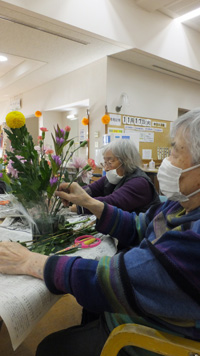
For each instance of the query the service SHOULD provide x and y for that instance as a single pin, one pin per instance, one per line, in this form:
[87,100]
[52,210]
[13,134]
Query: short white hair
[189,124]
[126,152]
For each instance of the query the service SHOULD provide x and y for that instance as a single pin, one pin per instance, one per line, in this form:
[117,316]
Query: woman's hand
[73,208]
[17,259]
[75,194]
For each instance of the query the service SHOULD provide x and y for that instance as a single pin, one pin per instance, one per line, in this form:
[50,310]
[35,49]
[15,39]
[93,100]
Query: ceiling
[40,49]
[173,9]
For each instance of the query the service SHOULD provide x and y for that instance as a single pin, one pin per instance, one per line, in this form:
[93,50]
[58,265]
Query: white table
[24,300]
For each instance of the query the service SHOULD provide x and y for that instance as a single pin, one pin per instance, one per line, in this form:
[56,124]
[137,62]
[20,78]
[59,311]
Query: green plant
[33,174]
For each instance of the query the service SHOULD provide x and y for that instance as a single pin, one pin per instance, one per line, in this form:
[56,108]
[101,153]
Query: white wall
[76,126]
[32,127]
[50,120]
[151,94]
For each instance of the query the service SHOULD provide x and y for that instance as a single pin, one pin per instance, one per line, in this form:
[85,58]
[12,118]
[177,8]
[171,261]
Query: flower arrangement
[33,173]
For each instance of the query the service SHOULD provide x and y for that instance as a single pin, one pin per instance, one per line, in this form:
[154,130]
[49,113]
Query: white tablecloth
[24,300]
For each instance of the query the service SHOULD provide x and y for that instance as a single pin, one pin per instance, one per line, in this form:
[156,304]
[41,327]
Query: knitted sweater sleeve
[127,283]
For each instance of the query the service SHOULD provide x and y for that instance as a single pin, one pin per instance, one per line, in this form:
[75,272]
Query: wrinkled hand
[17,259]
[73,208]
[74,194]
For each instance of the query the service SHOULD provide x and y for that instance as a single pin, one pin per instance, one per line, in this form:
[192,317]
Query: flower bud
[67,128]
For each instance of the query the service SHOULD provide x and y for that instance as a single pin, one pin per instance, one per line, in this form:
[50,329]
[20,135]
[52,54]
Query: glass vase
[42,223]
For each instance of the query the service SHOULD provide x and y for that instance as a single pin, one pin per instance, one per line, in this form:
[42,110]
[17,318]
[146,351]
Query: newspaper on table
[24,300]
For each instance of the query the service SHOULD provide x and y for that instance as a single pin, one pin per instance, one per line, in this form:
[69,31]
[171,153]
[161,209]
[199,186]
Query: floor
[66,312]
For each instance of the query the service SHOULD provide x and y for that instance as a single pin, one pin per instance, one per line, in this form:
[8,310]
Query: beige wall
[151,94]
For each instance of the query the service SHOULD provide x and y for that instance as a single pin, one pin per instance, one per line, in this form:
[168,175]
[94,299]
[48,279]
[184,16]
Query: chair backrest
[149,339]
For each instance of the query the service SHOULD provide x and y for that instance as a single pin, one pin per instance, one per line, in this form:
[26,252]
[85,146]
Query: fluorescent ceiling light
[3,59]
[71,117]
[188,15]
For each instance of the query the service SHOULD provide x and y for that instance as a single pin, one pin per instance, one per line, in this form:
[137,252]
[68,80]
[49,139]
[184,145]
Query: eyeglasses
[109,162]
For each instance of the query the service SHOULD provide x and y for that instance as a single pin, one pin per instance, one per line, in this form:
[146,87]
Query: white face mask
[113,177]
[168,177]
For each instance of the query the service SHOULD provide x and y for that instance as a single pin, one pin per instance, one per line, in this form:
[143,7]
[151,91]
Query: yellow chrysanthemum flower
[15,119]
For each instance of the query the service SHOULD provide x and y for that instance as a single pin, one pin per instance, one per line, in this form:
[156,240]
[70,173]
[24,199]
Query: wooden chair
[150,339]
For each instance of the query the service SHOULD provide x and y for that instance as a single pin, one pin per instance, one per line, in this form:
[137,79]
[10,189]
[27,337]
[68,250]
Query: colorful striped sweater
[155,281]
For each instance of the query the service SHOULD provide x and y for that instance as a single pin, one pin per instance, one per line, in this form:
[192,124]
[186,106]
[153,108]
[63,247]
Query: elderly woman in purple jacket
[125,185]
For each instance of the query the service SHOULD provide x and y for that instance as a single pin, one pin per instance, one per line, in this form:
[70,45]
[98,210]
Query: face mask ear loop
[191,194]
[119,166]
[190,169]
[187,170]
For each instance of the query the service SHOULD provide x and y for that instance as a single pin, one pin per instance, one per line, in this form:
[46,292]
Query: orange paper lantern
[38,113]
[105,119]
[85,121]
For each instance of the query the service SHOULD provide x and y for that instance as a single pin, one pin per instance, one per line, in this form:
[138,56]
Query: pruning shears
[84,241]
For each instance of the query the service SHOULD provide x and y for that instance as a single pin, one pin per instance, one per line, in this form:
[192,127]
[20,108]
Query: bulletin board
[153,134]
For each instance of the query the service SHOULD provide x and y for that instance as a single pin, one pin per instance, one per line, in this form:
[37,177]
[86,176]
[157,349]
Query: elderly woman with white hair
[125,185]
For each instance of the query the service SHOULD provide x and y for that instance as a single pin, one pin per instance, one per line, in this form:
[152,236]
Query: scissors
[84,241]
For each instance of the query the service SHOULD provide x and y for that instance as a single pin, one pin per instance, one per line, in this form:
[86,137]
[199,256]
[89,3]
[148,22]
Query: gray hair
[189,123]
[127,153]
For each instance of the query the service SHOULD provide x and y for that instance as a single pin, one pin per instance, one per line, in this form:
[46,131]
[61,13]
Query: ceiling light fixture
[71,117]
[3,58]
[188,15]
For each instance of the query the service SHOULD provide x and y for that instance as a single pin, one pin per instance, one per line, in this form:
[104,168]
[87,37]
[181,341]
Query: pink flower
[37,148]
[40,138]
[43,129]
[42,150]
[78,162]
[21,159]
[91,163]
[49,151]
[86,176]
[11,170]
[67,128]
